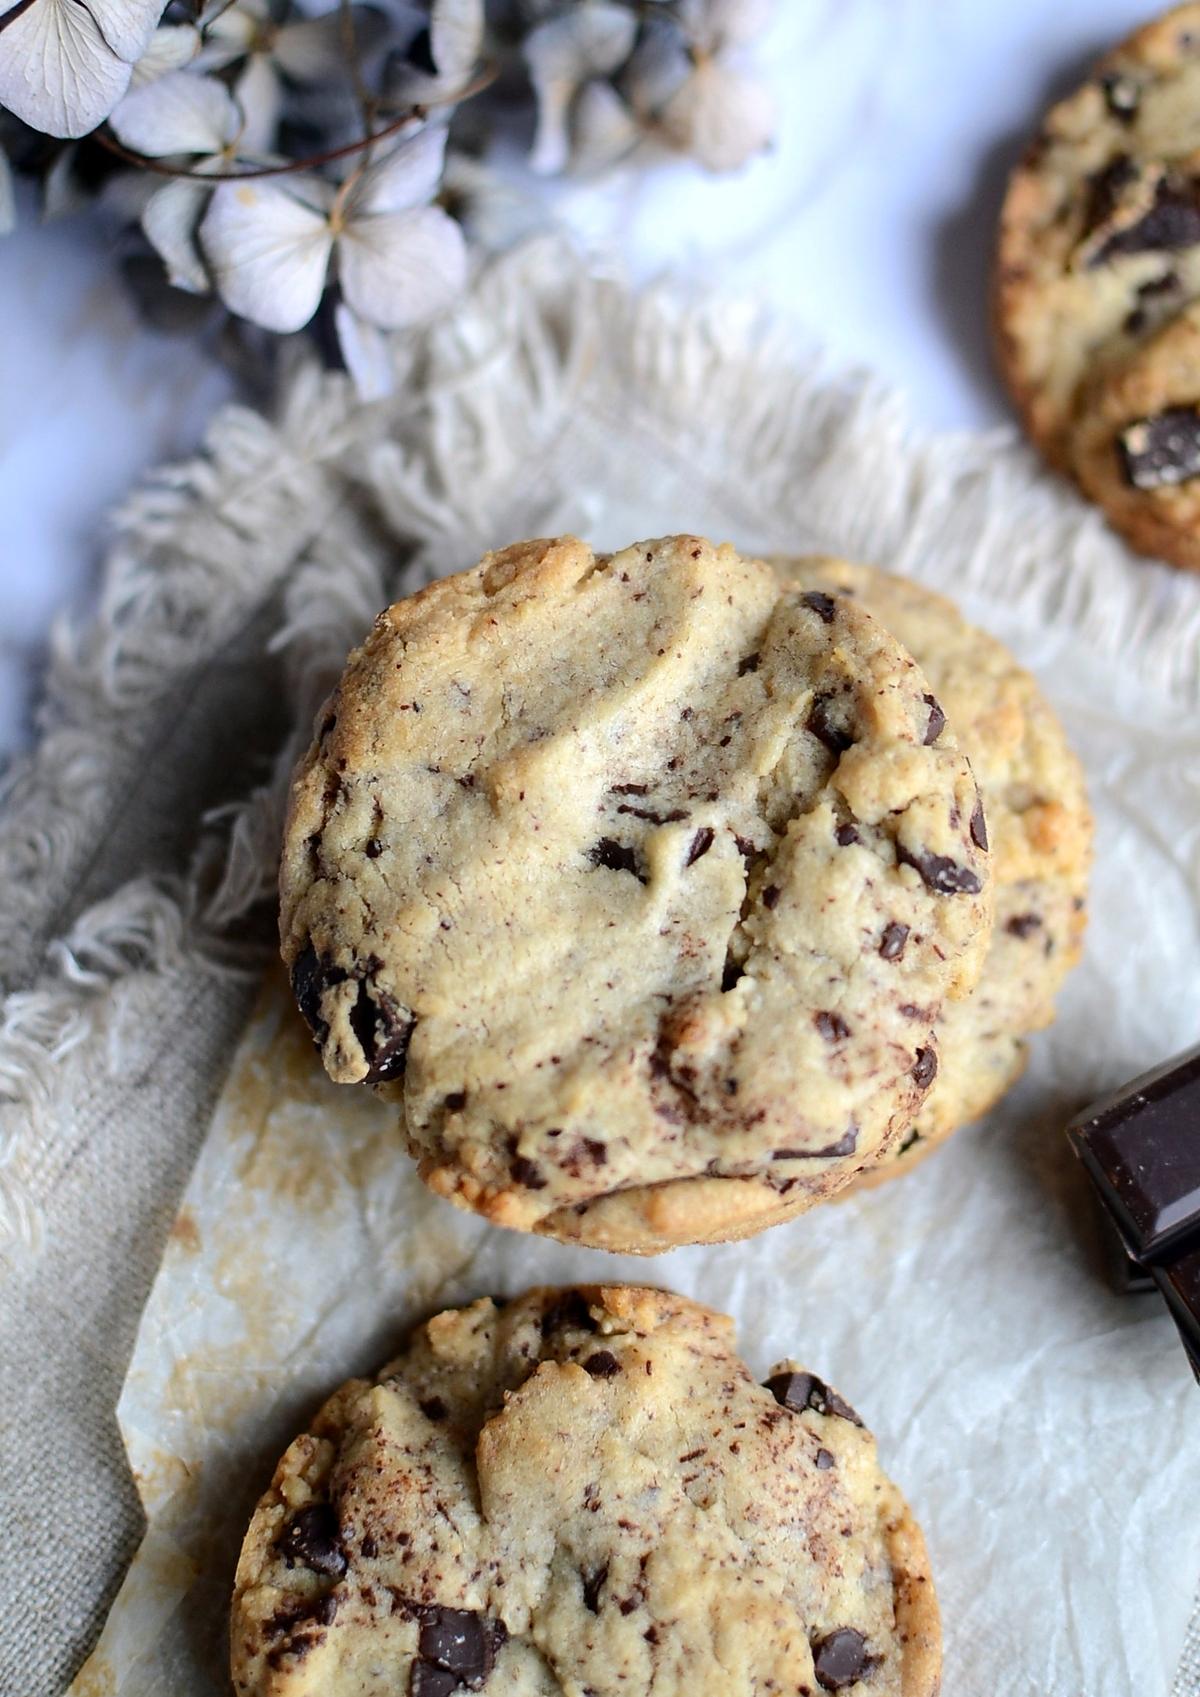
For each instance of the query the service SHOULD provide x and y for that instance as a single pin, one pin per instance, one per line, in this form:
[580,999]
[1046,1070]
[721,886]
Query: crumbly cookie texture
[1097,287]
[1041,836]
[583,1491]
[634,879]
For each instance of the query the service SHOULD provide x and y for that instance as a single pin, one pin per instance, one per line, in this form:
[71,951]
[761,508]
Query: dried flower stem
[313,160]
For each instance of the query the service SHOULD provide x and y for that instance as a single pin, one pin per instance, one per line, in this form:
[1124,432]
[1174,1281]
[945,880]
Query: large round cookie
[636,881]
[1097,291]
[583,1491]
[1041,838]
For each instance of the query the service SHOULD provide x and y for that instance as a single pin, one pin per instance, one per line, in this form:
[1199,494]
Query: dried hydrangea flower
[64,64]
[399,260]
[182,115]
[686,81]
[588,43]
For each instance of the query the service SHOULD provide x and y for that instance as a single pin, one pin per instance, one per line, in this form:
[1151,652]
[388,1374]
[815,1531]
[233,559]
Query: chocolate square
[1141,1147]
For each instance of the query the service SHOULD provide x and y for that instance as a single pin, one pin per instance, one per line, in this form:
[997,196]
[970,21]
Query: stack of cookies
[666,894]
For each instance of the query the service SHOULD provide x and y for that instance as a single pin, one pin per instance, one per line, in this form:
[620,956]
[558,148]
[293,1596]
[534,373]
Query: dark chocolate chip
[845,835]
[832,1026]
[629,789]
[593,1584]
[941,874]
[771,895]
[925,1067]
[314,1539]
[937,719]
[457,1642]
[1162,450]
[1105,188]
[370,1548]
[840,1658]
[528,1173]
[311,977]
[978,827]
[616,857]
[891,944]
[654,818]
[823,725]
[824,606]
[373,849]
[569,1309]
[432,1407]
[825,1460]
[1121,96]
[1172,222]
[846,1144]
[384,1030]
[699,845]
[745,847]
[1023,924]
[602,1365]
[749,664]
[799,1391]
[455,1101]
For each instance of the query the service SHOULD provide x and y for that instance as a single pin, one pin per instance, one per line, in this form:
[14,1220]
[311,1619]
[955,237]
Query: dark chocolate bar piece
[1179,1281]
[1141,1147]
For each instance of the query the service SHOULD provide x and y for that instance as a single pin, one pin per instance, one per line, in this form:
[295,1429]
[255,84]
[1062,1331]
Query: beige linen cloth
[136,847]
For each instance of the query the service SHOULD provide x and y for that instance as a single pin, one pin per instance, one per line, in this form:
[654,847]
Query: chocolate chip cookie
[638,882]
[1041,837]
[583,1491]
[1097,290]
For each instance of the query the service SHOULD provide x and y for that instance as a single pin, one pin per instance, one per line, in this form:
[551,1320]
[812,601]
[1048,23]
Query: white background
[870,224]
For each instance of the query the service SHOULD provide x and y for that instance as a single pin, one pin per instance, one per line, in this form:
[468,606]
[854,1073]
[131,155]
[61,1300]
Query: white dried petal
[455,38]
[170,219]
[603,128]
[172,48]
[407,176]
[313,50]
[400,268]
[64,64]
[592,40]
[719,116]
[182,112]
[259,97]
[367,353]
[268,246]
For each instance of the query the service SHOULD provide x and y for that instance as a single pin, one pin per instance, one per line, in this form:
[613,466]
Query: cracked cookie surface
[583,1490]
[1040,827]
[635,881]
[1097,286]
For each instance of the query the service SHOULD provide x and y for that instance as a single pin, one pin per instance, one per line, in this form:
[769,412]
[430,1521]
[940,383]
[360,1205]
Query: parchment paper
[1046,1431]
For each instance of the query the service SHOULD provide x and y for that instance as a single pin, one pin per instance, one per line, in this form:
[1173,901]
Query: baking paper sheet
[1046,1431]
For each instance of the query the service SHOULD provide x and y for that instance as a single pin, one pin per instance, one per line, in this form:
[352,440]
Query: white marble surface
[870,223]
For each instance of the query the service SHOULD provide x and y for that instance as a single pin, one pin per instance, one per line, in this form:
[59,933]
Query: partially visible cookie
[638,883]
[1041,837]
[582,1491]
[1097,288]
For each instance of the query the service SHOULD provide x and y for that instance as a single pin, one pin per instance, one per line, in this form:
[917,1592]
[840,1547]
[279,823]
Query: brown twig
[311,162]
